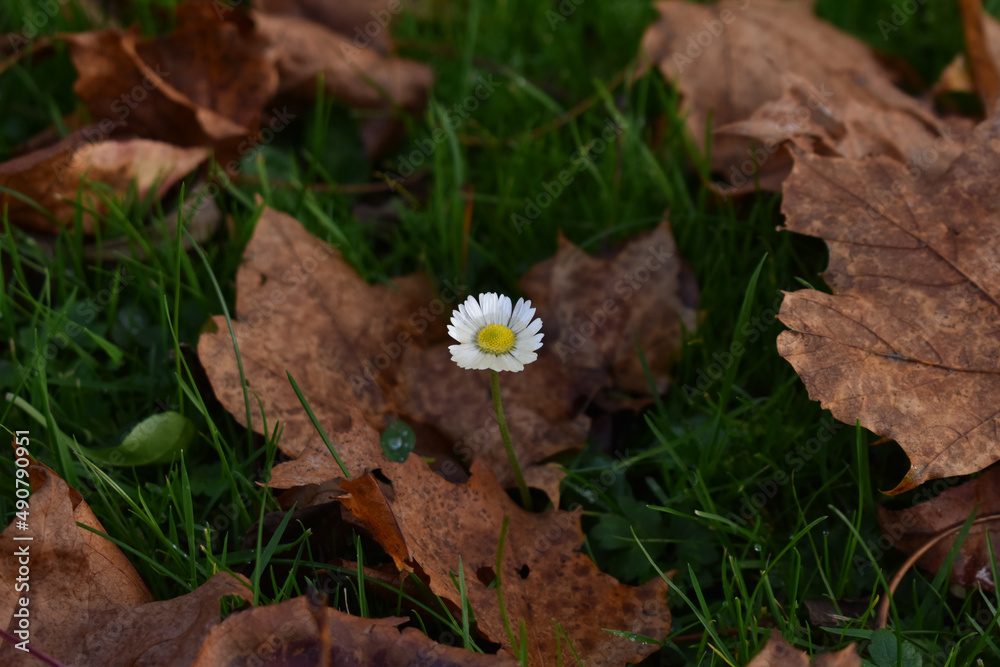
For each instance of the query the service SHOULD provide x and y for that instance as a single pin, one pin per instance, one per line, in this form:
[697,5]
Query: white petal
[499,362]
[496,315]
[524,356]
[456,333]
[487,306]
[503,311]
[463,332]
[532,328]
[517,314]
[470,324]
[521,316]
[514,364]
[460,355]
[474,313]
[537,338]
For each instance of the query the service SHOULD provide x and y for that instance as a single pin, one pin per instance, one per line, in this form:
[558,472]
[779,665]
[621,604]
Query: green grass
[675,490]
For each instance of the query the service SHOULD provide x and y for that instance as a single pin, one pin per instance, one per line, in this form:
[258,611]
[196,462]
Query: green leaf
[157,439]
[883,651]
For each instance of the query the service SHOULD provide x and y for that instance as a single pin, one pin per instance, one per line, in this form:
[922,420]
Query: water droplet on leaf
[398,441]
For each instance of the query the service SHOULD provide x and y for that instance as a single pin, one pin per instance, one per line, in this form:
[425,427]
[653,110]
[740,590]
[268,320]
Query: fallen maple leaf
[727,59]
[86,603]
[437,528]
[911,528]
[364,344]
[291,281]
[296,633]
[779,653]
[76,173]
[909,341]
[386,349]
[202,85]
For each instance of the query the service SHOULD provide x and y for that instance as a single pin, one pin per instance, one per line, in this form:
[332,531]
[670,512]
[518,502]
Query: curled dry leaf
[911,528]
[437,528]
[362,77]
[296,633]
[596,309]
[829,125]
[365,22]
[779,653]
[87,604]
[754,44]
[76,173]
[202,85]
[347,44]
[909,341]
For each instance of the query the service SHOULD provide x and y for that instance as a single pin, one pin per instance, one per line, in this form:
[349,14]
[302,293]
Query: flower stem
[505,435]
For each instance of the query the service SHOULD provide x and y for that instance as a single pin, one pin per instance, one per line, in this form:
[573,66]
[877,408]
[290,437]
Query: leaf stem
[505,435]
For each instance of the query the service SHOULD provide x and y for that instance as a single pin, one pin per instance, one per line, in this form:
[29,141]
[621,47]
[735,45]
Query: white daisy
[493,335]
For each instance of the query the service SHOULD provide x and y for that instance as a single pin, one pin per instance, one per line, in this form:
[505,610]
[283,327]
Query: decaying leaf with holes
[438,529]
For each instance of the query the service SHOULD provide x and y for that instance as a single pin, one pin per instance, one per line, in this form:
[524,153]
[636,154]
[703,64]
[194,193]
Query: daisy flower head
[493,335]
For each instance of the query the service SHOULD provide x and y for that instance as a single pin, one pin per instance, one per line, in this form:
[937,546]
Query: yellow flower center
[495,339]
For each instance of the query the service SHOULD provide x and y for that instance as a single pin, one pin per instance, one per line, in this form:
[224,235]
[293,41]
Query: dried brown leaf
[301,307]
[828,613]
[595,309]
[909,341]
[365,22]
[752,45]
[59,178]
[545,579]
[541,405]
[830,125]
[202,85]
[368,499]
[362,77]
[86,602]
[779,653]
[911,528]
[295,633]
[386,350]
